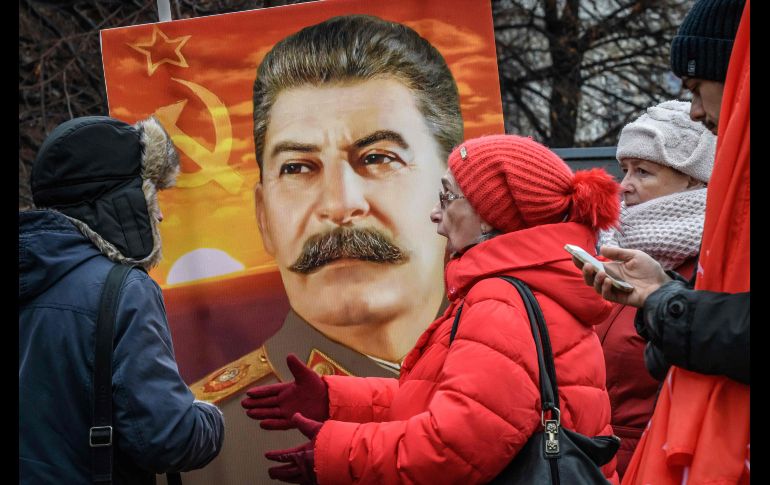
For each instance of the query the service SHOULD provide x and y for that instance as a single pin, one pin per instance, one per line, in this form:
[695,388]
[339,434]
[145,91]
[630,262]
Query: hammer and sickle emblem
[213,163]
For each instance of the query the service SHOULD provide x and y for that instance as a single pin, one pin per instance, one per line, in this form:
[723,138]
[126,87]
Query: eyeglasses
[445,197]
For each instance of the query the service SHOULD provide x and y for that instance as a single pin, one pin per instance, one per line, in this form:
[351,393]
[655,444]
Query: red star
[168,51]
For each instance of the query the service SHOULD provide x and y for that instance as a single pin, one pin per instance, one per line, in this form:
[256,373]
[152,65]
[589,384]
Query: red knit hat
[513,183]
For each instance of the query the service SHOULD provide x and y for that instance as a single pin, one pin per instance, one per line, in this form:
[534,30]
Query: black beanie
[701,49]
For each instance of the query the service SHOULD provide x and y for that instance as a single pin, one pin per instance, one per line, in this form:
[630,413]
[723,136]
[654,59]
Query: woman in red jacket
[459,415]
[667,160]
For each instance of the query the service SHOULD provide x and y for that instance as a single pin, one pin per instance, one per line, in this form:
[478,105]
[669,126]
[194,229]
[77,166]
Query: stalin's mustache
[366,244]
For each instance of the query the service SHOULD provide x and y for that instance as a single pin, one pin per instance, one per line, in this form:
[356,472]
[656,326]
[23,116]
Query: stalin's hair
[360,48]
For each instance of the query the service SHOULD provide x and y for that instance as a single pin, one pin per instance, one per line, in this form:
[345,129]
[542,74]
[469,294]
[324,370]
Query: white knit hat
[665,134]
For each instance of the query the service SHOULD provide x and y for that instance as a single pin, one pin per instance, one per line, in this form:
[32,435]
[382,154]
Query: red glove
[275,404]
[300,461]
[308,427]
[299,468]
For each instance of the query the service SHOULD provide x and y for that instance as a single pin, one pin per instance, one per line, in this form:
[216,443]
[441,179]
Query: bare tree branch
[594,49]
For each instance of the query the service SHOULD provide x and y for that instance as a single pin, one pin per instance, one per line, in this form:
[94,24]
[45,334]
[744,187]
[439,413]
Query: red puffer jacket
[459,415]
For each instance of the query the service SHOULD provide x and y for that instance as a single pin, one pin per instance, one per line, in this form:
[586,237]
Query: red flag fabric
[699,432]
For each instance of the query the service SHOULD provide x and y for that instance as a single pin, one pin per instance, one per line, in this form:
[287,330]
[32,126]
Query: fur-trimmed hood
[103,175]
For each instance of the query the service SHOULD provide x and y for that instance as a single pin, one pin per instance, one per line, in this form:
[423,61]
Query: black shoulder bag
[101,433]
[556,454]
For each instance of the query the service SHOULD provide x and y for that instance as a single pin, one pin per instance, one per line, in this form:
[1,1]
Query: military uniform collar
[322,354]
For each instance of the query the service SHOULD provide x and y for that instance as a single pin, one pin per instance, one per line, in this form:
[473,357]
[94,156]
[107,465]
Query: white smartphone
[582,255]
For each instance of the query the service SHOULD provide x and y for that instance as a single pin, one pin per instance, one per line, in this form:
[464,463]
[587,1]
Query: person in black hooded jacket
[95,182]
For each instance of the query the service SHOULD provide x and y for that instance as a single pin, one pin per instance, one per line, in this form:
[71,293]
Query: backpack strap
[100,434]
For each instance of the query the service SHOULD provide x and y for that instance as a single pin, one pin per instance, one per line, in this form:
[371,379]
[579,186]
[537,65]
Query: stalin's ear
[264,227]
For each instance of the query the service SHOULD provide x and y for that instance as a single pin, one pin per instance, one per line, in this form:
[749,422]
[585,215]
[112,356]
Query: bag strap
[549,391]
[100,434]
[173,478]
[455,324]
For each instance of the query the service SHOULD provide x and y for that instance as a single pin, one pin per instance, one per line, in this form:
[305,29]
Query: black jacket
[701,331]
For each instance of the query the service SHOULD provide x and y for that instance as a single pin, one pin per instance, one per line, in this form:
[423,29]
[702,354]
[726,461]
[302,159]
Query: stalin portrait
[353,121]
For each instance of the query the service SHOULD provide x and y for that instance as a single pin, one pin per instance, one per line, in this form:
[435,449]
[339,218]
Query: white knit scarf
[668,228]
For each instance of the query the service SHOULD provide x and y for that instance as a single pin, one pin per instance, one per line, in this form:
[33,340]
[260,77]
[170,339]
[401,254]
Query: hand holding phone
[583,256]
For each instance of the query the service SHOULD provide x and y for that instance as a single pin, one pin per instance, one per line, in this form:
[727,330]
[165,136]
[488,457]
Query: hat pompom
[595,199]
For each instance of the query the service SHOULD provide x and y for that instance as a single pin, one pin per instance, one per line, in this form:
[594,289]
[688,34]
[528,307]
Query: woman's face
[645,180]
[455,218]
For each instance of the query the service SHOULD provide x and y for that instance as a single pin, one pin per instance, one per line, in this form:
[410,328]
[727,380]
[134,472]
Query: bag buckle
[551,437]
[551,429]
[100,436]
[555,411]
